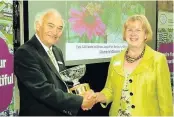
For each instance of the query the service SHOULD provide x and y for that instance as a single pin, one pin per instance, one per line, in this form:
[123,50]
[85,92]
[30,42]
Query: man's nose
[55,31]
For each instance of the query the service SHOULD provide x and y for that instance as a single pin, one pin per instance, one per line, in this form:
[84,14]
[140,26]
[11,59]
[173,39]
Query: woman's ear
[145,37]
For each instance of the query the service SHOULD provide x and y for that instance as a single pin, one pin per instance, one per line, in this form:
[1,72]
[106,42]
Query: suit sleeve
[28,71]
[164,91]
[107,90]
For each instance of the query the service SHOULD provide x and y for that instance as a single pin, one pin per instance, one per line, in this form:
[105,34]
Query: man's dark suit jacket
[42,92]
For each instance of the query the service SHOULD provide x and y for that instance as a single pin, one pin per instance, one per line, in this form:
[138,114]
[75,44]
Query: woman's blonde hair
[145,25]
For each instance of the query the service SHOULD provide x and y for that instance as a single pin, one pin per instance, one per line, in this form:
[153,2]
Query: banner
[6,59]
[165,36]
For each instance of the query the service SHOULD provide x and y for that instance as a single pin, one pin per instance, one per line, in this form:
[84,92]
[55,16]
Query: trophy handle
[80,89]
[75,82]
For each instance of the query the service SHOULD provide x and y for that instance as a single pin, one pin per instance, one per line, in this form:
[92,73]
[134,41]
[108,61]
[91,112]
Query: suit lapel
[50,64]
[58,56]
[43,54]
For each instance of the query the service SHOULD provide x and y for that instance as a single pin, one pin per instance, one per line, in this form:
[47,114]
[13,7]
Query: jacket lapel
[143,66]
[118,63]
[50,64]
[146,61]
[58,56]
[43,54]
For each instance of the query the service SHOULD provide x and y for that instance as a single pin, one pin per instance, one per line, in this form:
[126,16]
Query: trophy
[73,75]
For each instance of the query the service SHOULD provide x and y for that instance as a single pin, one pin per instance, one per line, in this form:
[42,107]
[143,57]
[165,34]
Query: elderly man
[37,66]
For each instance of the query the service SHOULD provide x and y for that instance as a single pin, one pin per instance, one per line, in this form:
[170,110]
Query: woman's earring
[145,39]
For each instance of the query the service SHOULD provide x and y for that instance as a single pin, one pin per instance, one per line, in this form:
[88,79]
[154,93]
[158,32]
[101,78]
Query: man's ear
[37,25]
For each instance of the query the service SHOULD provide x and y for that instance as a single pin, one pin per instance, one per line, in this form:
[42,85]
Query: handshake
[90,98]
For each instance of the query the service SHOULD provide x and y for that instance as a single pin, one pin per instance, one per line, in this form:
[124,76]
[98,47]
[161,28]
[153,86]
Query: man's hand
[89,99]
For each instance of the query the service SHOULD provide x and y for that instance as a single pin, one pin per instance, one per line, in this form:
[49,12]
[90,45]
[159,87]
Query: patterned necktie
[53,59]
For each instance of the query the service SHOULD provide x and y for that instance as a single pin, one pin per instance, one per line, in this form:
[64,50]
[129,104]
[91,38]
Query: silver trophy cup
[73,75]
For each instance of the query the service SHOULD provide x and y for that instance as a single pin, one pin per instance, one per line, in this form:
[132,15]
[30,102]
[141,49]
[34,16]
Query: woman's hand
[100,97]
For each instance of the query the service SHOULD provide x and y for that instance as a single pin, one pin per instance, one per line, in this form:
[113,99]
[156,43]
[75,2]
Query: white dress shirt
[47,49]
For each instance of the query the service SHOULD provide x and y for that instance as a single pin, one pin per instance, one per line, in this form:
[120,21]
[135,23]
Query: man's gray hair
[40,15]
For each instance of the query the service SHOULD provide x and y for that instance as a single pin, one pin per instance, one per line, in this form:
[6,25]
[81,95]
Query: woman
[138,82]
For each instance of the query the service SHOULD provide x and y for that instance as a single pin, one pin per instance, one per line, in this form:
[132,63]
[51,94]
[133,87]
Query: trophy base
[80,89]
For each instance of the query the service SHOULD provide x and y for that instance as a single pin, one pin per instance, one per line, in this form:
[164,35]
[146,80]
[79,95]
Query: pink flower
[84,23]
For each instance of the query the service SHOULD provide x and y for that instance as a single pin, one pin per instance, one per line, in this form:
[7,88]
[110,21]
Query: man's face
[50,30]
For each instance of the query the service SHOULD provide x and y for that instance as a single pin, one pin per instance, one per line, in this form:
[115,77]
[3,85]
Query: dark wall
[96,75]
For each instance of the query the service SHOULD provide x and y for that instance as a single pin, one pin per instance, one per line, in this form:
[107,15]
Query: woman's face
[135,34]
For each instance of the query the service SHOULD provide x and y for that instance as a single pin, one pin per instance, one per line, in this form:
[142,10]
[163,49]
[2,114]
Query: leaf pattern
[125,105]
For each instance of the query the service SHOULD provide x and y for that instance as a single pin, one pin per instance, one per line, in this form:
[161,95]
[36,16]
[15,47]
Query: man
[37,66]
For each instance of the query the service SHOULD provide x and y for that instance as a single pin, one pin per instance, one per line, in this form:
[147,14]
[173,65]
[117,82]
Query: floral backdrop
[99,22]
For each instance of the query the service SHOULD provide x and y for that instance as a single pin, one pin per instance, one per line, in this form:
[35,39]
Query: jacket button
[133,106]
[130,80]
[69,113]
[64,111]
[131,93]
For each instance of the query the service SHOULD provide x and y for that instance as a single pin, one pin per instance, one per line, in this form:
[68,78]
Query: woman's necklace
[130,59]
